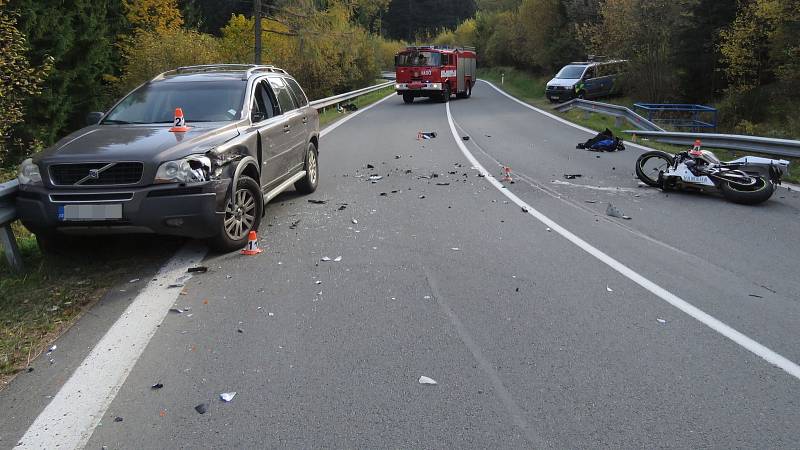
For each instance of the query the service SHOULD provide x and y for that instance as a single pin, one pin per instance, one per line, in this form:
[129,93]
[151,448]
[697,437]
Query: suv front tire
[243,213]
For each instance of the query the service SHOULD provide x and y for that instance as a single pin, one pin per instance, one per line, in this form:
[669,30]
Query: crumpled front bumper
[193,210]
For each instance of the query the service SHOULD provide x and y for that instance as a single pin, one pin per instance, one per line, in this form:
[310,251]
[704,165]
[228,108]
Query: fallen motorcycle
[748,180]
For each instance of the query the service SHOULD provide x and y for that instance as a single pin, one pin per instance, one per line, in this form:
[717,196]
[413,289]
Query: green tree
[546,39]
[20,80]
[80,36]
[153,15]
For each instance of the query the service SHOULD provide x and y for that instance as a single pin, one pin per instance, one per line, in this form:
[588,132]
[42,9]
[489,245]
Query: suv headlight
[29,173]
[186,170]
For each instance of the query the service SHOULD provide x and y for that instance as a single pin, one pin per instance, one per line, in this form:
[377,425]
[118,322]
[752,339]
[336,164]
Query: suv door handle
[305,119]
[287,128]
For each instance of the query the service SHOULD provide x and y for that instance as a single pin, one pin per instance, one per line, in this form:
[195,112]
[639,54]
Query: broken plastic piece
[201,408]
[661,321]
[325,259]
[354,221]
[464,138]
[157,386]
[227,396]
[180,281]
[134,280]
[198,269]
[375,177]
[118,419]
[176,310]
[572,176]
[317,202]
[609,289]
[370,166]
[337,259]
[429,381]
[613,211]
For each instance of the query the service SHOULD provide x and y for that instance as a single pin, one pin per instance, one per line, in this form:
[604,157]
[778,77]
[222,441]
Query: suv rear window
[282,92]
[201,101]
[299,97]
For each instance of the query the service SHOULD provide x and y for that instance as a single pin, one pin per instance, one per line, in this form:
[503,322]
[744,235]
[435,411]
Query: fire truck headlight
[436,86]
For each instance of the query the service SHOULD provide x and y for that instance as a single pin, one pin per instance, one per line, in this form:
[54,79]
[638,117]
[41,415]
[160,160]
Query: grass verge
[36,306]
[530,89]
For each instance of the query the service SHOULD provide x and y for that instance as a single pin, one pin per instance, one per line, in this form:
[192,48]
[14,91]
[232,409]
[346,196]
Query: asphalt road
[534,342]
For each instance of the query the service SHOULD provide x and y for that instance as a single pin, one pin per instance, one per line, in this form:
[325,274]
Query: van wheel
[243,213]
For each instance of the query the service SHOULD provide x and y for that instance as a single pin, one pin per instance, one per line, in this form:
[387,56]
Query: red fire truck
[435,72]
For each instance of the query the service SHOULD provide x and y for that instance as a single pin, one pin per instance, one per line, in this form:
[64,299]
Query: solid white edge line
[760,350]
[70,418]
[589,130]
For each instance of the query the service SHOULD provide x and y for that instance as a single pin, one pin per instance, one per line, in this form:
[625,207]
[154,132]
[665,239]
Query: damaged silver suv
[250,134]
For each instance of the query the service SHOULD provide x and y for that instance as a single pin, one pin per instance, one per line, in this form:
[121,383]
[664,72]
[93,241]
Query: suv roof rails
[248,69]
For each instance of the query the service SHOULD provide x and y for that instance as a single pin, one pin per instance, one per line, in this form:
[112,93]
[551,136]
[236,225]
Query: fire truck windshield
[418,59]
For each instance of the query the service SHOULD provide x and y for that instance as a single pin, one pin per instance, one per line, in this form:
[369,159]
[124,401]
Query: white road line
[70,418]
[715,324]
[588,130]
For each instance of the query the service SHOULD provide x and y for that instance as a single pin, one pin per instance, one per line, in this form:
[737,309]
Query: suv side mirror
[93,118]
[257,116]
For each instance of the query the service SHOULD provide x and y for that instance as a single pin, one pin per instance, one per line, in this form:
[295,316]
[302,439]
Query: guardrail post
[587,115]
[618,121]
[9,244]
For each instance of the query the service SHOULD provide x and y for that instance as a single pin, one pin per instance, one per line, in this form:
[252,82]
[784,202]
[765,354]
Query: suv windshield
[418,59]
[201,101]
[571,72]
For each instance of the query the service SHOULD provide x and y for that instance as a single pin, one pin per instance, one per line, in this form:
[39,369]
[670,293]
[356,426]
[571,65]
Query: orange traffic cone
[180,123]
[252,245]
[507,174]
[419,135]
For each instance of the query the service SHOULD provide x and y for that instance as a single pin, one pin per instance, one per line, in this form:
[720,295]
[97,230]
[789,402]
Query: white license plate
[85,213]
[555,97]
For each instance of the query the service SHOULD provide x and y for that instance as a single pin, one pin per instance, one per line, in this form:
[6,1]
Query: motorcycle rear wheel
[760,192]
[650,174]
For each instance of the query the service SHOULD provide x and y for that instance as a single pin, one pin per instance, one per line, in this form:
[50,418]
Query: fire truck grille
[119,173]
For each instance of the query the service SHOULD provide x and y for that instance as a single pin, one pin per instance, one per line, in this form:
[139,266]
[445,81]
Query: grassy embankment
[530,89]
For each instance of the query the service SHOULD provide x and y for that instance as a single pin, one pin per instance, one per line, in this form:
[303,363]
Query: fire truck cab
[435,72]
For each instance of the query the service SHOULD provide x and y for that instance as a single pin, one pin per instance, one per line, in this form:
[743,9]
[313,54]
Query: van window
[570,72]
[591,72]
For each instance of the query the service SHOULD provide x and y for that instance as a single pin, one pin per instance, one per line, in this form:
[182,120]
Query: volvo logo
[94,173]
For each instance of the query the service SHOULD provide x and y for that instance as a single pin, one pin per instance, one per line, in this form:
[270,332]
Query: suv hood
[146,143]
[568,82]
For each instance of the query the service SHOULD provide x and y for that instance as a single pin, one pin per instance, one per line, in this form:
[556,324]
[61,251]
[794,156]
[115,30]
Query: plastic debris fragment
[325,259]
[118,419]
[661,321]
[337,259]
[317,202]
[613,211]
[425,380]
[157,386]
[572,176]
[609,289]
[227,396]
[198,269]
[201,408]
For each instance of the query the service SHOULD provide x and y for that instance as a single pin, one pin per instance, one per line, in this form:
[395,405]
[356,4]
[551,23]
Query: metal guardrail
[620,112]
[8,214]
[336,99]
[754,144]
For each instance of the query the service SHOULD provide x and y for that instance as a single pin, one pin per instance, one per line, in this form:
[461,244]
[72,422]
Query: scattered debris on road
[613,211]
[294,224]
[661,320]
[337,259]
[355,222]
[425,135]
[325,259]
[198,269]
[524,209]
[428,381]
[180,281]
[464,138]
[317,202]
[201,408]
[118,419]
[609,289]
[176,310]
[572,176]
[227,396]
[157,386]
[756,296]
[134,280]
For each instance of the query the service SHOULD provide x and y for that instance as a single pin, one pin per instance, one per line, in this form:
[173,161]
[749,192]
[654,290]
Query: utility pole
[257,22]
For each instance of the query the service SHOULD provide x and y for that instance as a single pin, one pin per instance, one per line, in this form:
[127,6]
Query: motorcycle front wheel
[757,193]
[650,165]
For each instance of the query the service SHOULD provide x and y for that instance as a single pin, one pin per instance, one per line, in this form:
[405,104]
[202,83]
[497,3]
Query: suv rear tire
[309,183]
[247,201]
